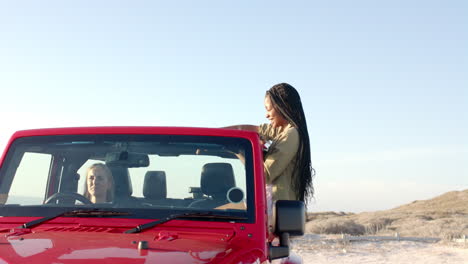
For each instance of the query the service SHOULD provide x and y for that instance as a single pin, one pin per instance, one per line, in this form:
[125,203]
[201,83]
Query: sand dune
[444,217]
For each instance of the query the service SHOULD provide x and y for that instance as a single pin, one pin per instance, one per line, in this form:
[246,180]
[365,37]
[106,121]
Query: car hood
[110,246]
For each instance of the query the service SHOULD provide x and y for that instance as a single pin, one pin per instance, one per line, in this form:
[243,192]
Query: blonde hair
[110,179]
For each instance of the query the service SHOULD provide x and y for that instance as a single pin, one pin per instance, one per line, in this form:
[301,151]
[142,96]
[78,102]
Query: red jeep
[180,195]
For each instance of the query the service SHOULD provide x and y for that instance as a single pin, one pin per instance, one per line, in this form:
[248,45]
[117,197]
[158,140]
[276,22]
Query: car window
[29,184]
[144,172]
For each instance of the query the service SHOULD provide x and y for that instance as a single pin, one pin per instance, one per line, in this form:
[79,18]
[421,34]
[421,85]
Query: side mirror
[290,221]
[290,218]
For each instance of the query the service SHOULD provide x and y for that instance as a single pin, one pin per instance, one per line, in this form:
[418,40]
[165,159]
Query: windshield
[148,175]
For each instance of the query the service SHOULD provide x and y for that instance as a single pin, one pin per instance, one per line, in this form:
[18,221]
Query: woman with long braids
[287,162]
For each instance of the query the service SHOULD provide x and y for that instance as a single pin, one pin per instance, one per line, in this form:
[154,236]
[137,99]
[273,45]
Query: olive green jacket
[280,159]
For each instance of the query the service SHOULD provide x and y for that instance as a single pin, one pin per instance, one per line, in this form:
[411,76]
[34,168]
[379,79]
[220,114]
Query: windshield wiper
[91,212]
[202,214]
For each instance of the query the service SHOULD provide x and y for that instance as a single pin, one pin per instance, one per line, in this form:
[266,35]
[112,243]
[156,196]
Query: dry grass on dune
[445,216]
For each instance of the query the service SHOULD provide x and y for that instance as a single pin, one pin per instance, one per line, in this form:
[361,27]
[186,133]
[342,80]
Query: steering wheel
[75,196]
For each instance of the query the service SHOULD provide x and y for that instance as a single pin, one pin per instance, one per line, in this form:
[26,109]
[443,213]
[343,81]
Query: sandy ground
[321,249]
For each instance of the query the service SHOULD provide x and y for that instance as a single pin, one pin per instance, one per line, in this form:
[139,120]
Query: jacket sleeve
[267,132]
[281,155]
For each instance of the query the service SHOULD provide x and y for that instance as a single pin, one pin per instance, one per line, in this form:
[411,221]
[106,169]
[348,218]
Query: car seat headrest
[122,181]
[154,186]
[217,179]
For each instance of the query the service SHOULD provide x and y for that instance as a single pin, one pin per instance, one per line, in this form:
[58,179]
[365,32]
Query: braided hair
[287,102]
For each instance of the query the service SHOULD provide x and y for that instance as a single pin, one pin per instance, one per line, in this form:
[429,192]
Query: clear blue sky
[384,83]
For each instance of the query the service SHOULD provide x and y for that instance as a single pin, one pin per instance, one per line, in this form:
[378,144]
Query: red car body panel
[75,240]
[95,240]
[177,242]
